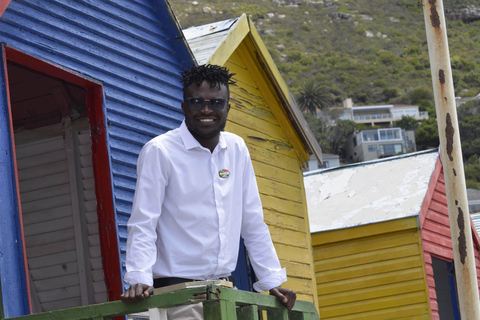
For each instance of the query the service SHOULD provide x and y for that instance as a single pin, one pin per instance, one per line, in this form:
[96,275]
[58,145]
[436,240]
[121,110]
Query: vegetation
[312,97]
[372,51]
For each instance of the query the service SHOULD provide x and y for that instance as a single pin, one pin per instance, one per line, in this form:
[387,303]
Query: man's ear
[183,108]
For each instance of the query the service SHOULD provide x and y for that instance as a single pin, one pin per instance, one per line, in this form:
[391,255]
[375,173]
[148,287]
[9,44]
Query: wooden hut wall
[127,46]
[435,233]
[373,271]
[257,116]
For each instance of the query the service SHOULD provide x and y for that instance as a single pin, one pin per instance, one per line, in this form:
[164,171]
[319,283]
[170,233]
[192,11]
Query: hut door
[57,191]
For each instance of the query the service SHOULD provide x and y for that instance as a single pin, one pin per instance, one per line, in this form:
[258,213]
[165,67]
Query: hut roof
[368,192]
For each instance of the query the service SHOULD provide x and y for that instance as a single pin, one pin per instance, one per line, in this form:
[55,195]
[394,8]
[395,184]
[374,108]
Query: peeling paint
[462,243]
[441,77]
[454,172]
[456,202]
[434,17]
[449,135]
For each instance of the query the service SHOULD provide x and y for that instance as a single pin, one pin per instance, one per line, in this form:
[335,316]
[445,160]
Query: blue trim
[453,290]
[12,271]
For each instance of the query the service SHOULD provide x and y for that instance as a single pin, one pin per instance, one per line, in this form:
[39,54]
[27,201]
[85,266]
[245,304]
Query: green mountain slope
[374,51]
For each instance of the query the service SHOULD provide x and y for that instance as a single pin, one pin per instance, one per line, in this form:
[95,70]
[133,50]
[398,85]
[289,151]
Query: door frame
[102,174]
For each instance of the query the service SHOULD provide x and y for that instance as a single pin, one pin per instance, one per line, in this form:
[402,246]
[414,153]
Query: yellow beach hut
[381,240]
[264,113]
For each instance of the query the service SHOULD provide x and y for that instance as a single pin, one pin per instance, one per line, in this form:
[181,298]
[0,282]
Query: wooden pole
[451,155]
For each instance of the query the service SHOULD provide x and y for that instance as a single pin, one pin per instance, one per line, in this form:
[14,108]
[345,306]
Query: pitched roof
[214,43]
[368,192]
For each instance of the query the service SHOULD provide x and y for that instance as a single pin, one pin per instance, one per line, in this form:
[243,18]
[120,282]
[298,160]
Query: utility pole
[451,155]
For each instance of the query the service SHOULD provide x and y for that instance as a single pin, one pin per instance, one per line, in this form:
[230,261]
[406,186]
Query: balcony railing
[219,303]
[387,116]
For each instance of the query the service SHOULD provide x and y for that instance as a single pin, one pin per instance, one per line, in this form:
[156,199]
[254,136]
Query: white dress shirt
[190,208]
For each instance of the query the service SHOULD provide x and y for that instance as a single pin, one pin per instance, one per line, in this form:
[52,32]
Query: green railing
[219,303]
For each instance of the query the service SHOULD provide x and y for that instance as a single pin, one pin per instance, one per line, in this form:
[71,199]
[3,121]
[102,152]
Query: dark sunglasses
[197,104]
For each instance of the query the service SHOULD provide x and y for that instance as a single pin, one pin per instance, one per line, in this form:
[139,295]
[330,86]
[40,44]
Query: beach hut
[84,84]
[265,114]
[381,240]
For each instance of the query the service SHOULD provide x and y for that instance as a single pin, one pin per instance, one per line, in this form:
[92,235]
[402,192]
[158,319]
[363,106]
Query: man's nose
[206,108]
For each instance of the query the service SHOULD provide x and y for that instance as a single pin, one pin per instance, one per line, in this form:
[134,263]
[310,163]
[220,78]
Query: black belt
[164,282]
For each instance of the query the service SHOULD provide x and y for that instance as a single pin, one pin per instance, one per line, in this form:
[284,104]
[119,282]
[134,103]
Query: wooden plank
[39,147]
[369,281]
[45,204]
[54,271]
[374,268]
[273,218]
[47,193]
[434,237]
[46,227]
[299,285]
[61,282]
[59,294]
[372,293]
[404,251]
[370,243]
[288,237]
[61,304]
[48,169]
[288,177]
[368,230]
[298,270]
[51,248]
[51,237]
[283,206]
[51,260]
[46,215]
[295,254]
[381,303]
[42,159]
[274,157]
[279,190]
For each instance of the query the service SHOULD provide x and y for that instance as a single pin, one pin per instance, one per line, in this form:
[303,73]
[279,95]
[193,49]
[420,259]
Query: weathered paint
[135,50]
[262,114]
[12,266]
[451,153]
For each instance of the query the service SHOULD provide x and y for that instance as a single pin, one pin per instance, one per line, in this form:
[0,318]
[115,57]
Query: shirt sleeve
[256,235]
[152,179]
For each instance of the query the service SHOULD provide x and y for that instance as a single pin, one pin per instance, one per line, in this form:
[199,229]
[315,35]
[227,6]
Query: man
[196,195]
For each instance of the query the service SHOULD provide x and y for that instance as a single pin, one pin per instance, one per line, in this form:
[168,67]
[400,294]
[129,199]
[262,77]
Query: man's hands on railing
[286,296]
[136,292]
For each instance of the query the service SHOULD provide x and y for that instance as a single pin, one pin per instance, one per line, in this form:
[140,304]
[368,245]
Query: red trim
[430,191]
[17,184]
[101,164]
[103,190]
[48,68]
[3,6]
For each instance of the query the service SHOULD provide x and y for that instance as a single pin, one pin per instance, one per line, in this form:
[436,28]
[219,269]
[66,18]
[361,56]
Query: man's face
[205,124]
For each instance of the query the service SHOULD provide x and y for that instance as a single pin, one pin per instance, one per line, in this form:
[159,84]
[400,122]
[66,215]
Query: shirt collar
[190,142]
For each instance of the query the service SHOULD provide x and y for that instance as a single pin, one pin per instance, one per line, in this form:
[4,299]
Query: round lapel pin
[224,173]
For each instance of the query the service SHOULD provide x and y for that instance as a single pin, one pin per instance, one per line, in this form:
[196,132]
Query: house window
[445,288]
[372,148]
[390,134]
[390,149]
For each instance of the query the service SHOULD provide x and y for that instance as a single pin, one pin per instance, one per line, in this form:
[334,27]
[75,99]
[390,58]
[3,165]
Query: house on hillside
[265,114]
[381,240]
[77,77]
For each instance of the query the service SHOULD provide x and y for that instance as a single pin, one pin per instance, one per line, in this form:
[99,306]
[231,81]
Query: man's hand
[286,296]
[136,292]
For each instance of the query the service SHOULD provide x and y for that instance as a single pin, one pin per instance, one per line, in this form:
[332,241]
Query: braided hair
[215,75]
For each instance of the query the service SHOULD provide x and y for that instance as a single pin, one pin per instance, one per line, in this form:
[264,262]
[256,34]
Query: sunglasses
[197,104]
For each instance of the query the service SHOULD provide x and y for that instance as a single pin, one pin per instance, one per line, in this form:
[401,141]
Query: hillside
[374,51]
